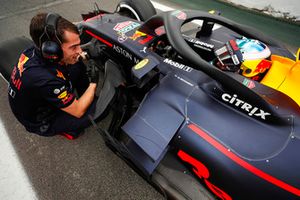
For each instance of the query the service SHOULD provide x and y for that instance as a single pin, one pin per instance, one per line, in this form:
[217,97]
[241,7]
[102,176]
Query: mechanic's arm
[79,107]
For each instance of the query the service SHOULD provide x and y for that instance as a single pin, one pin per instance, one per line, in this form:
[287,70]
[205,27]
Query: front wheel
[140,10]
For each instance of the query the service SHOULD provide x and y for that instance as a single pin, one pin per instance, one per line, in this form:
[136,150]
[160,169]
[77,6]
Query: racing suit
[39,89]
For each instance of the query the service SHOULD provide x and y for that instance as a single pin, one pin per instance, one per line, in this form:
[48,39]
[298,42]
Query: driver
[41,87]
[248,57]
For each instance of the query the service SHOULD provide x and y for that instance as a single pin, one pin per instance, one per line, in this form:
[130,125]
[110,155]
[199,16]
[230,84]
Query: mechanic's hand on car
[91,66]
[93,71]
[83,56]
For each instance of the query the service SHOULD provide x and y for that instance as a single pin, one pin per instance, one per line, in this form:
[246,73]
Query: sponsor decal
[146,39]
[138,35]
[235,59]
[63,95]
[67,99]
[60,74]
[22,60]
[251,110]
[183,80]
[126,26]
[160,30]
[125,53]
[234,45]
[250,84]
[179,14]
[141,64]
[15,81]
[203,173]
[143,50]
[56,91]
[11,92]
[221,51]
[263,66]
[122,37]
[236,159]
[202,45]
[178,65]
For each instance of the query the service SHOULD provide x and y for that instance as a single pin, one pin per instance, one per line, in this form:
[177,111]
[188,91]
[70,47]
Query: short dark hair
[37,27]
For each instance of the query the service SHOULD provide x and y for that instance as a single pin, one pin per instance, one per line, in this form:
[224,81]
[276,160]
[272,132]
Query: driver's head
[235,52]
[229,56]
[67,37]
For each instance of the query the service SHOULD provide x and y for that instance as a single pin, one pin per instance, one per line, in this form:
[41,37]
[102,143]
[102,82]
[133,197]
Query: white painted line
[4,78]
[14,183]
[161,7]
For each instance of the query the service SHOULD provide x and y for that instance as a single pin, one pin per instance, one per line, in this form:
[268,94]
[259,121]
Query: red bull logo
[144,37]
[137,34]
[22,60]
[203,173]
[60,75]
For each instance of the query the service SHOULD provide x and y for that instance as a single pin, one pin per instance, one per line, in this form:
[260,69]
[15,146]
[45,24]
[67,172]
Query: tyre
[10,52]
[140,10]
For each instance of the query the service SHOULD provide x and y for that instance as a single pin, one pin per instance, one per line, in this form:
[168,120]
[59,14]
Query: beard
[70,60]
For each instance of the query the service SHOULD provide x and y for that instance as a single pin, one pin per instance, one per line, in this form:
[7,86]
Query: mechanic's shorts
[66,123]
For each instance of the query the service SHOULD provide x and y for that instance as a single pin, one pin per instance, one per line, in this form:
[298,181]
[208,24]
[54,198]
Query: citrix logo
[252,110]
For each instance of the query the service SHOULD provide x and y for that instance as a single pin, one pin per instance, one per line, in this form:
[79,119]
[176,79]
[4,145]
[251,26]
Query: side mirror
[298,55]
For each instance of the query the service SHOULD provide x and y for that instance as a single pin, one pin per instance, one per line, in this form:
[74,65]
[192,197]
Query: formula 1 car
[181,117]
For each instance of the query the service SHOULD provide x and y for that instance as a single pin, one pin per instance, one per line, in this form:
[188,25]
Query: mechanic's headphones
[50,48]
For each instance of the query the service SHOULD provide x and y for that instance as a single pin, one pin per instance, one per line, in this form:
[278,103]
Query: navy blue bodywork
[191,115]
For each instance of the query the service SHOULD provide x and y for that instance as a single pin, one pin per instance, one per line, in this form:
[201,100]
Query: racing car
[185,109]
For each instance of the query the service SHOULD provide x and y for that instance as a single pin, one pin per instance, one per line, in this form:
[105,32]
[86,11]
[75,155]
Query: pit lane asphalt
[59,169]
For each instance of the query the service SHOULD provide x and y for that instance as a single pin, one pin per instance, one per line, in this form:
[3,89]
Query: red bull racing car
[201,111]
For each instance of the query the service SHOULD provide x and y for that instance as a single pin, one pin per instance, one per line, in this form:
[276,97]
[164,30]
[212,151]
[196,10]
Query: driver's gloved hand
[93,72]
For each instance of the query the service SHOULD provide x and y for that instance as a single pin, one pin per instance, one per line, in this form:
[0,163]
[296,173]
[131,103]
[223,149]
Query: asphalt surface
[59,169]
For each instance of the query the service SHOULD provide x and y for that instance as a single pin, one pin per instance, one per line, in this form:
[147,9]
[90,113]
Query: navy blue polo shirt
[37,91]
